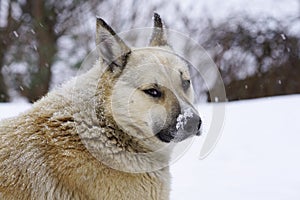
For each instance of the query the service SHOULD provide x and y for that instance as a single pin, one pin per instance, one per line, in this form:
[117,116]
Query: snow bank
[12,109]
[257,156]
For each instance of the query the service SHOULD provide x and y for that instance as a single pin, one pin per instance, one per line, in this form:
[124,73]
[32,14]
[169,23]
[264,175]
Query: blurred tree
[256,58]
[30,38]
[40,34]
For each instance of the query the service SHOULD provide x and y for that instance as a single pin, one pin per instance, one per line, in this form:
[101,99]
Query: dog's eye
[153,92]
[186,84]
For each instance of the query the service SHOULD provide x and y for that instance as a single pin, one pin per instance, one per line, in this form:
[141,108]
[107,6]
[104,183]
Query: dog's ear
[112,48]
[158,37]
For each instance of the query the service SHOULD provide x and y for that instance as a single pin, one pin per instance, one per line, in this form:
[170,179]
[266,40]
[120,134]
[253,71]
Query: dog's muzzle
[187,125]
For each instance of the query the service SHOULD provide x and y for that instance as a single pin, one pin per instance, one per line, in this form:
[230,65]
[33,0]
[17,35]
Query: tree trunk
[5,42]
[44,20]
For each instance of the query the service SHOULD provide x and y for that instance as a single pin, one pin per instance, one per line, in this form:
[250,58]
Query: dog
[106,134]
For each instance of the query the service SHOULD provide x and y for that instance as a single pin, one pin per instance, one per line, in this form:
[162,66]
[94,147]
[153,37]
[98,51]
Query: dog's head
[148,91]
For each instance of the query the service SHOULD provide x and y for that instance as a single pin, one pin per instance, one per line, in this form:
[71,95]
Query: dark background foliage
[42,43]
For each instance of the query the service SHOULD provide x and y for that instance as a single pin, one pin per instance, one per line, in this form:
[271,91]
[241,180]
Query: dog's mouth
[184,127]
[176,135]
[165,136]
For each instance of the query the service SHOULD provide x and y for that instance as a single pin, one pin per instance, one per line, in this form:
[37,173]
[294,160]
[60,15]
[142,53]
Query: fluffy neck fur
[50,151]
[86,101]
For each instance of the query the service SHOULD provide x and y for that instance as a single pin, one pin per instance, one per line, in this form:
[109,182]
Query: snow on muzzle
[188,125]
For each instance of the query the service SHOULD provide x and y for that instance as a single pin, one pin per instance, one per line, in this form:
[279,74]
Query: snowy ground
[257,156]
[12,109]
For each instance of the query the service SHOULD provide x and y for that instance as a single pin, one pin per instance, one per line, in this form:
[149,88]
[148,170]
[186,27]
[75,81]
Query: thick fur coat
[78,141]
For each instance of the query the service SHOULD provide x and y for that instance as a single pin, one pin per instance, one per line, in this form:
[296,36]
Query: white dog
[103,135]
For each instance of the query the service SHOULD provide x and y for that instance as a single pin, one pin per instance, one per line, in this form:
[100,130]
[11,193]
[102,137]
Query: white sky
[220,8]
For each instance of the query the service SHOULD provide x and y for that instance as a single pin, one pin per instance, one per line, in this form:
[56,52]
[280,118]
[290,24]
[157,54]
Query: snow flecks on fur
[182,118]
[180,134]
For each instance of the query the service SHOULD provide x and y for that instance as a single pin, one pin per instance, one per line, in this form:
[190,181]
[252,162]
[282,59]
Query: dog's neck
[104,139]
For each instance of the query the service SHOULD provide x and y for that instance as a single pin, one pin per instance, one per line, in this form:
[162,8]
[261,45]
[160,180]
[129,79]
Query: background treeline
[43,43]
[257,58]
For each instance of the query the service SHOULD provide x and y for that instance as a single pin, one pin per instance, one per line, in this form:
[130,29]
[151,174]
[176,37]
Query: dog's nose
[199,126]
[193,125]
